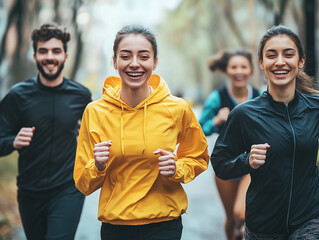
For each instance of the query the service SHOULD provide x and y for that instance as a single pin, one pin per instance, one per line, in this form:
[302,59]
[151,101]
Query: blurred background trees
[188,31]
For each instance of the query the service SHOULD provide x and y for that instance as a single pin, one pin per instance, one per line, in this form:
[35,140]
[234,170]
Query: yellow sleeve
[86,175]
[192,155]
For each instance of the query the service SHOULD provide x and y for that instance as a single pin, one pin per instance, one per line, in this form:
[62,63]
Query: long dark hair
[304,83]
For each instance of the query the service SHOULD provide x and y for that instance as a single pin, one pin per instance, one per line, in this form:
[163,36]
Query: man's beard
[50,77]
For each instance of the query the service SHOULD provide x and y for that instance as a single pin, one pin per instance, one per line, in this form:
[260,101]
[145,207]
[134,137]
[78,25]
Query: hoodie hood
[111,93]
[112,87]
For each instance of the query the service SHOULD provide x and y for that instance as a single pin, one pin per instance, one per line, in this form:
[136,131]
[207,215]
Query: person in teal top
[214,106]
[237,65]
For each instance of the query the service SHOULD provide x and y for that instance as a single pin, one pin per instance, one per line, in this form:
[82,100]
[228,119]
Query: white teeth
[135,74]
[280,72]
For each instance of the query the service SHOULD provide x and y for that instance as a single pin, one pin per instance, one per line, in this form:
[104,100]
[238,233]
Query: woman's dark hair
[135,29]
[220,61]
[48,31]
[304,83]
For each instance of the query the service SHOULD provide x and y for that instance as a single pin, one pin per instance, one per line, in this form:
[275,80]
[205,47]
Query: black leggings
[307,231]
[168,230]
[53,216]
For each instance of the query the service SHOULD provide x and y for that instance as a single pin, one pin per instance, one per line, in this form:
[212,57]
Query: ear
[114,63]
[155,63]
[66,56]
[301,63]
[261,64]
[34,58]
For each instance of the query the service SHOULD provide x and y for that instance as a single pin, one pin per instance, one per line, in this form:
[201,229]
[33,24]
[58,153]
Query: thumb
[161,152]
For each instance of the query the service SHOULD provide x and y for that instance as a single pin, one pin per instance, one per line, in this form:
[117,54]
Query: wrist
[100,167]
[216,121]
[14,144]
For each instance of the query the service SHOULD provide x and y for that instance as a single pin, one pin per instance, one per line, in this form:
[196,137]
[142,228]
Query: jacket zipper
[293,166]
[52,134]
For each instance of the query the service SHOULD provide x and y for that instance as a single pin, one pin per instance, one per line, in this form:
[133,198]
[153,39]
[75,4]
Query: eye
[42,50]
[145,57]
[289,55]
[124,57]
[57,51]
[271,56]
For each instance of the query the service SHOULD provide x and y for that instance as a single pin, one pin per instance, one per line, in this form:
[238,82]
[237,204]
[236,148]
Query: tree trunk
[309,11]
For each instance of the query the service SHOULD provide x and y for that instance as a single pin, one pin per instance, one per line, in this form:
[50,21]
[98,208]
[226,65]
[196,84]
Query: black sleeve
[9,123]
[88,99]
[231,151]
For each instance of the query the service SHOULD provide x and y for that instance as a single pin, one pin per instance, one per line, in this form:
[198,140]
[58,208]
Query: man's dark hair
[48,31]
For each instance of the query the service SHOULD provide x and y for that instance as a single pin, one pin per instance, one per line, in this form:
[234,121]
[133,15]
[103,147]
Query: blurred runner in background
[237,65]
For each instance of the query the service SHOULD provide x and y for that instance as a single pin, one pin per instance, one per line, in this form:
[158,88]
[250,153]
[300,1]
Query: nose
[239,70]
[280,60]
[50,55]
[134,62]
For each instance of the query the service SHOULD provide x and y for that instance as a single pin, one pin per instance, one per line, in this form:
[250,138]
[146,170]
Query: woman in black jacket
[274,137]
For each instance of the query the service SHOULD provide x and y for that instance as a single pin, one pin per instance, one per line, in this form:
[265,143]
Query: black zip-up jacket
[284,192]
[54,112]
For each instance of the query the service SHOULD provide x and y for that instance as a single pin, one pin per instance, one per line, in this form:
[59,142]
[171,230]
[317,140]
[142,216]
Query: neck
[51,83]
[240,94]
[285,94]
[134,96]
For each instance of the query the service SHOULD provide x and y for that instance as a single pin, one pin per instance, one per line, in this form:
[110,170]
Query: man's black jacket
[55,113]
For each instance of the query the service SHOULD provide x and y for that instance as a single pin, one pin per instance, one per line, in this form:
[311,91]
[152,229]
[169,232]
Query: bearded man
[40,118]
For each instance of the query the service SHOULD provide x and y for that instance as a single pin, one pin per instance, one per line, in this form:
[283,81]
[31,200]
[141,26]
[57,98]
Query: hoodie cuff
[180,172]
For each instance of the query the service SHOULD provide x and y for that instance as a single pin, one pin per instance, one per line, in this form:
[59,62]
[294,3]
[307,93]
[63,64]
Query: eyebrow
[43,48]
[285,50]
[129,51]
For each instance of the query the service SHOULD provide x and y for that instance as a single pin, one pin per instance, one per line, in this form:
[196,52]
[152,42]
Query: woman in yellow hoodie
[138,143]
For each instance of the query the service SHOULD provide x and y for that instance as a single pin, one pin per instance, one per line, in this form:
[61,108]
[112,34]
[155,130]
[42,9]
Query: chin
[241,85]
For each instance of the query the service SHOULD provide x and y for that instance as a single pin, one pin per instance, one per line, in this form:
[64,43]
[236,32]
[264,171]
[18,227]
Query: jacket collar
[42,86]
[292,103]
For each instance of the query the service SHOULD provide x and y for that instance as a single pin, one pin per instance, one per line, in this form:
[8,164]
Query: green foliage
[8,167]
[196,30]
[9,217]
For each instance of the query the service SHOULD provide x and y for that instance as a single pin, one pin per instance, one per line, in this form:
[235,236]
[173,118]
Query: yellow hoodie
[132,190]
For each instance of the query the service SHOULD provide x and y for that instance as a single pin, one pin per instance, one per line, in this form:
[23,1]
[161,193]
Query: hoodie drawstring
[144,131]
[122,135]
[122,129]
